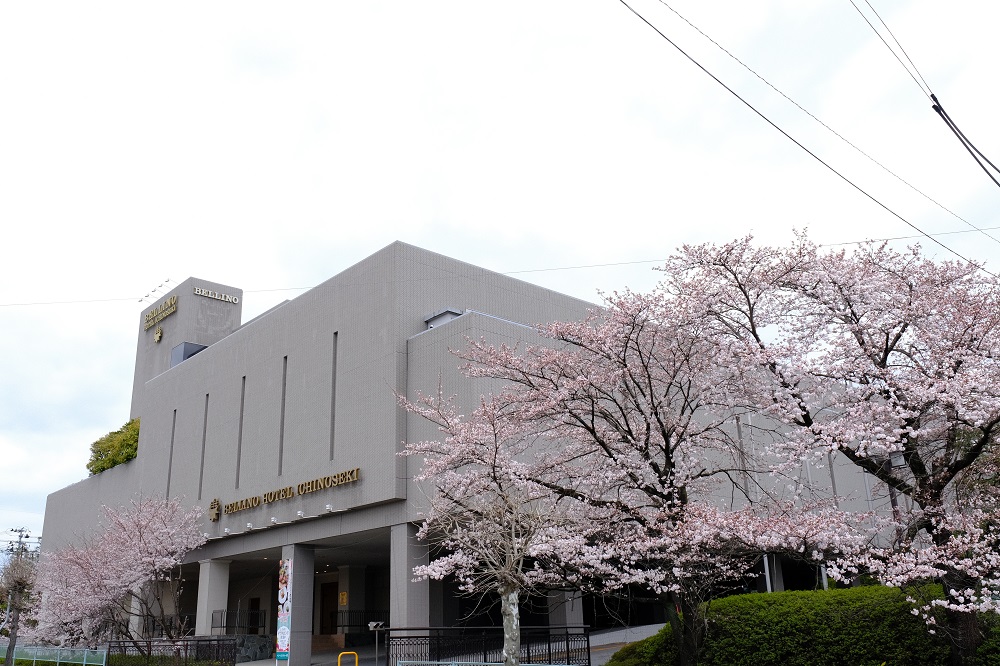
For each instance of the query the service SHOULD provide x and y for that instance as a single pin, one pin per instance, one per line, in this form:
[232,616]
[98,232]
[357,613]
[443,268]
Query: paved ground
[606,642]
[603,644]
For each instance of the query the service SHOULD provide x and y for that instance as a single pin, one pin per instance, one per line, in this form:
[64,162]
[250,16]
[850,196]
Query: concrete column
[565,609]
[136,618]
[777,575]
[351,591]
[408,601]
[301,588]
[213,593]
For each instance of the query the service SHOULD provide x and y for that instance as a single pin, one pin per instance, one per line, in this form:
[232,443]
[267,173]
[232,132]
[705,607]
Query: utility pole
[18,577]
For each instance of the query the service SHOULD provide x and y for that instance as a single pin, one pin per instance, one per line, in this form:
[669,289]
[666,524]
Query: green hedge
[656,650]
[861,626]
[866,626]
[988,653]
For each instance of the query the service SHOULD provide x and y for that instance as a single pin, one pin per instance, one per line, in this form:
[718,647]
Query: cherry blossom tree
[624,422]
[122,581]
[17,580]
[495,528]
[890,360]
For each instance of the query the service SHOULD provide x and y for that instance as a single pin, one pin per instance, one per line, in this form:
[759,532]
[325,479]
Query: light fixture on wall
[300,514]
[156,290]
[274,521]
[249,526]
[329,507]
[226,530]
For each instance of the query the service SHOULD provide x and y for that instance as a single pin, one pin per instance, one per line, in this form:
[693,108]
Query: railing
[54,655]
[456,663]
[539,645]
[183,652]
[175,625]
[239,621]
[359,619]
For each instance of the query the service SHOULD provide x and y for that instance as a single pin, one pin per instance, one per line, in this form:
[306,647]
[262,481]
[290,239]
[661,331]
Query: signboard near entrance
[284,632]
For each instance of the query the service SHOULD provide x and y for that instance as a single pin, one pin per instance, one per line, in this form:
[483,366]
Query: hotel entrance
[323,598]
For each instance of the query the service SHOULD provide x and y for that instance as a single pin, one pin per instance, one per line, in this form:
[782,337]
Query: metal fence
[174,625]
[457,663]
[216,651]
[53,655]
[484,645]
[359,619]
[239,621]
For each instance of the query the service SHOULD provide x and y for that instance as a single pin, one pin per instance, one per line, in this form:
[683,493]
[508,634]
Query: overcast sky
[270,145]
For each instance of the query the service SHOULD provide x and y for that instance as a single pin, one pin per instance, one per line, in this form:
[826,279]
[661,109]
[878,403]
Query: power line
[526,270]
[924,88]
[908,59]
[938,108]
[571,268]
[273,289]
[796,142]
[975,152]
[830,129]
[895,238]
[89,300]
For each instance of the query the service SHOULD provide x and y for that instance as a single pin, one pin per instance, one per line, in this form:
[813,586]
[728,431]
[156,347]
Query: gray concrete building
[285,430]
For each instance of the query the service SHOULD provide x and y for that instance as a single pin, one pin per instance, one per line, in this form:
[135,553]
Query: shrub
[115,448]
[866,626]
[653,651]
[862,626]
[988,653]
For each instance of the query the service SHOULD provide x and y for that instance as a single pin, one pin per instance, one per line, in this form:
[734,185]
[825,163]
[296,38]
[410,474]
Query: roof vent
[183,352]
[443,317]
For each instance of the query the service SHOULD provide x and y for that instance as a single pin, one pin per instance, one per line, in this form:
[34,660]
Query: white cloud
[270,146]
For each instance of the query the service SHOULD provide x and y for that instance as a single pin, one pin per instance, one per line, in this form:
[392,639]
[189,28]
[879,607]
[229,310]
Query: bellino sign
[288,492]
[159,313]
[208,293]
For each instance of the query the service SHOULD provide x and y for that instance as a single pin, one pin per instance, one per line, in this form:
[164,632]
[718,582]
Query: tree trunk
[687,628]
[676,628]
[511,627]
[965,638]
[14,608]
[963,628]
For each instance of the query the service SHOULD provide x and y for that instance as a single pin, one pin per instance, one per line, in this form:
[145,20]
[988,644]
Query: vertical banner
[284,611]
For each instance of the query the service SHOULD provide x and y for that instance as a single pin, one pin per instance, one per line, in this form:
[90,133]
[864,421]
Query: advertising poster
[284,611]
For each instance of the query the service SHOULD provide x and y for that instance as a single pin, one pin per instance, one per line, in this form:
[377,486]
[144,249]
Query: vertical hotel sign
[284,632]
[159,313]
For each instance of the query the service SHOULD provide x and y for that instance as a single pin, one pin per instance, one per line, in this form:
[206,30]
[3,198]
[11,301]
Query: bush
[866,626]
[653,651]
[115,448]
[862,626]
[988,653]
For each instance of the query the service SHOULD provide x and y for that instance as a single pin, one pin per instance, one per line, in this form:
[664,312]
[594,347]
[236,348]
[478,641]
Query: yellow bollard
[343,653]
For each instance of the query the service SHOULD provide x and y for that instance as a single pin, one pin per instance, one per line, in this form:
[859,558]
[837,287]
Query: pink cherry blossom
[888,360]
[128,575]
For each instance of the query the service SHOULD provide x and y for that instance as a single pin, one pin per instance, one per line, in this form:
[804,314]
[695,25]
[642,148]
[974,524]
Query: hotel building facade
[286,431]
